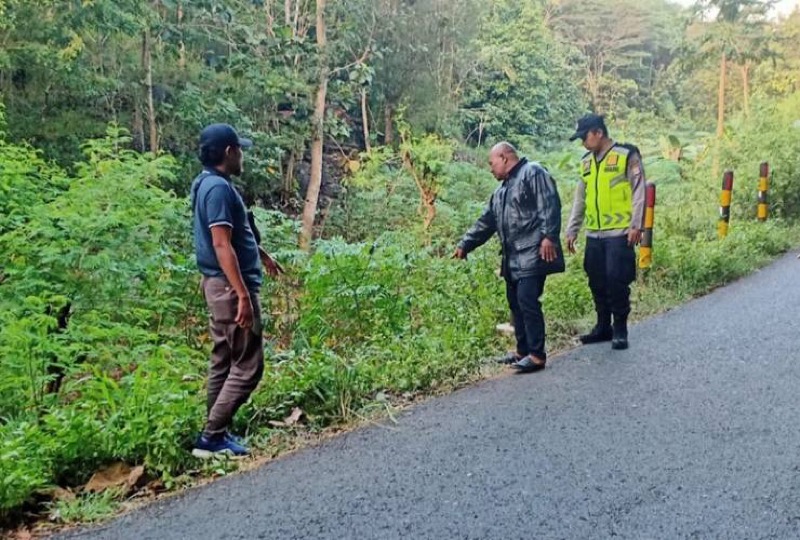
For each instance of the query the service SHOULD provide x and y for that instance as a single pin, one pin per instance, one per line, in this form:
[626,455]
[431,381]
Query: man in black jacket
[525,212]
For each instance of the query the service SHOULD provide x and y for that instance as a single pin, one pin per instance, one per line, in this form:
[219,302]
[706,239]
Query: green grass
[87,508]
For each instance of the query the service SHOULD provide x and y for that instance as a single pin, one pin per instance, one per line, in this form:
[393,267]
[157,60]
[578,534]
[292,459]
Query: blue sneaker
[206,447]
[235,438]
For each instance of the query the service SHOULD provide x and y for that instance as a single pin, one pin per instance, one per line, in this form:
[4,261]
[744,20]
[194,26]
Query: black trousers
[610,264]
[526,309]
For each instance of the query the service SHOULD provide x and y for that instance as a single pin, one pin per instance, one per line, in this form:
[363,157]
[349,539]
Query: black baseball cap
[586,124]
[221,136]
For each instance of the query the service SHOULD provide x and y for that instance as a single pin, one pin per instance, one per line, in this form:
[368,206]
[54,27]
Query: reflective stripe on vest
[608,191]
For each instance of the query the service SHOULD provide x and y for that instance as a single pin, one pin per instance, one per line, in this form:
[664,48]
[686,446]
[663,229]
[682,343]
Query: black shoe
[619,341]
[529,364]
[508,359]
[597,335]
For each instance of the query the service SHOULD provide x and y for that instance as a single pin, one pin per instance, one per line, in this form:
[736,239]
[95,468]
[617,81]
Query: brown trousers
[237,357]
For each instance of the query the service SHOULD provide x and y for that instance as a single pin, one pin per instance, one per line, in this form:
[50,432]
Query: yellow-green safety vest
[608,190]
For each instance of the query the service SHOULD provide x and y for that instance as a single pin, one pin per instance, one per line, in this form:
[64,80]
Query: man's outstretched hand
[460,254]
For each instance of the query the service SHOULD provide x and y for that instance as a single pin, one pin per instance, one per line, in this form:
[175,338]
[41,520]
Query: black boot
[602,330]
[619,341]
[598,334]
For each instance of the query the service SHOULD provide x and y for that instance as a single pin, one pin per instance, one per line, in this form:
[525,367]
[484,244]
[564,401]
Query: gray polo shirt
[216,202]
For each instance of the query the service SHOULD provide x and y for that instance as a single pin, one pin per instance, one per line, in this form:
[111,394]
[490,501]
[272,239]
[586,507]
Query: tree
[734,20]
[312,193]
[147,67]
[425,160]
[753,46]
[610,39]
[427,55]
[522,86]
[61,80]
[780,76]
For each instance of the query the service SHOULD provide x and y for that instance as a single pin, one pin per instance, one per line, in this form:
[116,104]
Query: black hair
[211,156]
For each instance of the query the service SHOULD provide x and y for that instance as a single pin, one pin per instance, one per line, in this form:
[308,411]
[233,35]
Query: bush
[24,468]
[770,133]
[98,322]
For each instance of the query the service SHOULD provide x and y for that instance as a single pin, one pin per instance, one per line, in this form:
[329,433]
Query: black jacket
[523,210]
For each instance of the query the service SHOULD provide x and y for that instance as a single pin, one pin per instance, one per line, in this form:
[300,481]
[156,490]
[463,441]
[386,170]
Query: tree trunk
[723,65]
[388,125]
[181,44]
[721,98]
[326,213]
[270,18]
[365,119]
[147,64]
[594,73]
[296,22]
[288,177]
[429,200]
[746,87]
[312,193]
[138,127]
[427,193]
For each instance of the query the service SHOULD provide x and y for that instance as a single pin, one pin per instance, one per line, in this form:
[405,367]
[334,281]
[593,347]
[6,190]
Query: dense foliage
[102,326]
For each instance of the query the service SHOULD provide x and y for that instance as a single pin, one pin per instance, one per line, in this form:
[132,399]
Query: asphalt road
[694,432]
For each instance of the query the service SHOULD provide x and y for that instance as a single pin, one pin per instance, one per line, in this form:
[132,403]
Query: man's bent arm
[548,203]
[226,256]
[635,175]
[481,232]
[578,211]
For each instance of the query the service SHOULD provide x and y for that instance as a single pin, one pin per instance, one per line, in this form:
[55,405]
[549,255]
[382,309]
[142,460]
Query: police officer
[610,197]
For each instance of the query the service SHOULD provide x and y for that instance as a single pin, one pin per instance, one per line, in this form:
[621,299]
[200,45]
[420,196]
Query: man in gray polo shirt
[230,259]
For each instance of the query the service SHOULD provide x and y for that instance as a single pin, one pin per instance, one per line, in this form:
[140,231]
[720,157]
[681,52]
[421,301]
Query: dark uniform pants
[610,264]
[523,298]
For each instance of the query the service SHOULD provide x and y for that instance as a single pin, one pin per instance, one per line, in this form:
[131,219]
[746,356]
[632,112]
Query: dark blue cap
[221,136]
[588,123]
